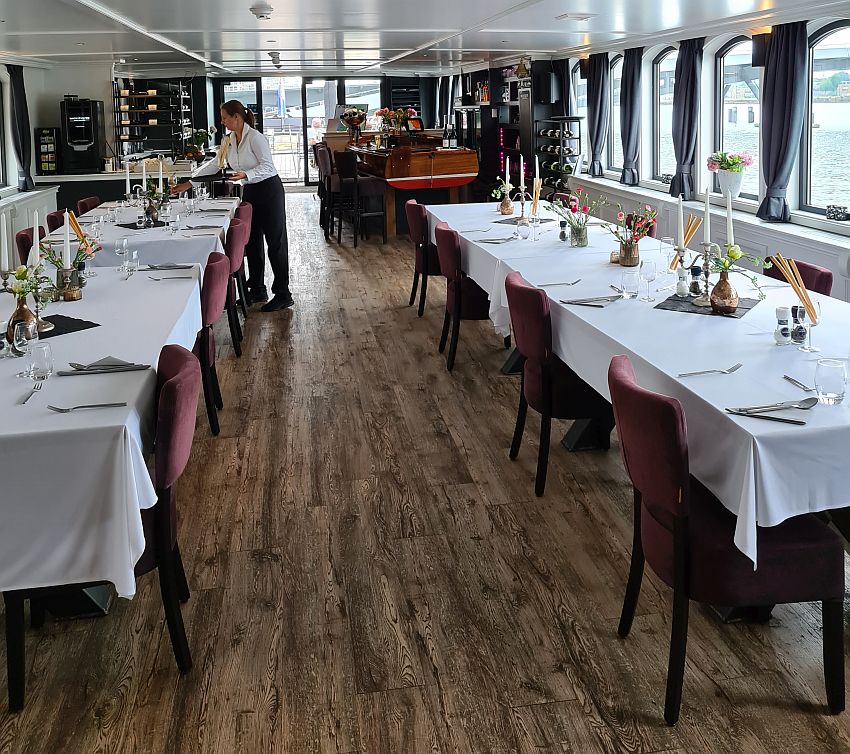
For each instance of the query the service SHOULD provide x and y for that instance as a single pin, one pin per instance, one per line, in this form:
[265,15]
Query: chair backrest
[652,230]
[815,278]
[448,250]
[55,220]
[23,242]
[245,214]
[417,223]
[88,204]
[214,288]
[565,199]
[530,318]
[234,243]
[323,161]
[346,165]
[654,443]
[178,378]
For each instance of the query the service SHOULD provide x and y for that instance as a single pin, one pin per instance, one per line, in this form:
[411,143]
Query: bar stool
[354,189]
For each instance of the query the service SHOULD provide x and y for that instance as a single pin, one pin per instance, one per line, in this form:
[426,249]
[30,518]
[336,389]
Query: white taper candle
[680,225]
[706,221]
[730,233]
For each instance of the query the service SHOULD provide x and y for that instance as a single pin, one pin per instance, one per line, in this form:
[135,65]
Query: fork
[60,410]
[797,383]
[35,388]
[549,285]
[171,277]
[731,369]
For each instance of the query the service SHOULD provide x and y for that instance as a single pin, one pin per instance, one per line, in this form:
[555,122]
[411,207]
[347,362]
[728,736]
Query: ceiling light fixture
[262,10]
[575,16]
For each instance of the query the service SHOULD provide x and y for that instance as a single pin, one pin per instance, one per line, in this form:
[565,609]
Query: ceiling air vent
[263,11]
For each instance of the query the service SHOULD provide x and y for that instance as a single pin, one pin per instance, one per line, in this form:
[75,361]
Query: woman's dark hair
[235,107]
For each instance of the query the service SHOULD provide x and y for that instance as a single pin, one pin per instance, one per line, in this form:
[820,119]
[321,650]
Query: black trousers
[268,221]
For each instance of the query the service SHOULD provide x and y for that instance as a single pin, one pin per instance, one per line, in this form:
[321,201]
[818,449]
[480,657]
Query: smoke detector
[263,11]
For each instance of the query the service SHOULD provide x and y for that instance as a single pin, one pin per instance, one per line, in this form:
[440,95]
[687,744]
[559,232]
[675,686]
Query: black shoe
[278,303]
[257,296]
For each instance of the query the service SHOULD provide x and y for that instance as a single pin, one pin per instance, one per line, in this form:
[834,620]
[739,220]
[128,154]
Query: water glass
[140,220]
[648,273]
[807,346]
[190,205]
[132,262]
[830,381]
[121,251]
[41,361]
[630,283]
[173,222]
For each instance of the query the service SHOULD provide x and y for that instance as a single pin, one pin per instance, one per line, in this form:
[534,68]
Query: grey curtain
[598,104]
[786,81]
[561,68]
[427,94]
[686,92]
[630,106]
[21,136]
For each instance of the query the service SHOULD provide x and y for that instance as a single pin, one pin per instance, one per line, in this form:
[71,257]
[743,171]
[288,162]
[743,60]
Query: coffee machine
[83,135]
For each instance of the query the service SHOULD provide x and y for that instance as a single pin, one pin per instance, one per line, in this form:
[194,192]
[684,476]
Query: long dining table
[73,484]
[763,472]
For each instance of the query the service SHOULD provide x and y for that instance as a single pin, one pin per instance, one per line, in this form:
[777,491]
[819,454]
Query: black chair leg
[206,378]
[233,322]
[450,361]
[339,226]
[832,612]
[383,217]
[38,614]
[507,342]
[15,650]
[219,401]
[676,664]
[242,290]
[521,413]
[422,293]
[445,334]
[543,454]
[635,577]
[413,290]
[173,617]
[180,573]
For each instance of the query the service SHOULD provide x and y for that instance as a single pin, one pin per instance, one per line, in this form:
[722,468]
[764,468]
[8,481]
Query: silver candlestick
[705,298]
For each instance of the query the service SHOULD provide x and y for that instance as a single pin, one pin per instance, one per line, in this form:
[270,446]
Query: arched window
[825,174]
[663,80]
[615,141]
[580,93]
[737,108]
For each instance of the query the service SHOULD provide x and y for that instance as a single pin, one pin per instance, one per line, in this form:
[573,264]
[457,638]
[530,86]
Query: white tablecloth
[158,245]
[73,484]
[764,472]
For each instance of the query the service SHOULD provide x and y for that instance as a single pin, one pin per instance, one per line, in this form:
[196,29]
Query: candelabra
[521,195]
[707,249]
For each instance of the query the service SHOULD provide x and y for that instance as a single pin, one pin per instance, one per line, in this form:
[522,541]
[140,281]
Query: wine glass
[121,251]
[807,346]
[24,336]
[667,247]
[648,273]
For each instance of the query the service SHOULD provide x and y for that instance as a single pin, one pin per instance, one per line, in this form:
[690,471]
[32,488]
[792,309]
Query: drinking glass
[190,205]
[173,222]
[667,247]
[41,361]
[630,283]
[830,380]
[534,222]
[648,273]
[24,336]
[132,262]
[140,220]
[121,251]
[807,346]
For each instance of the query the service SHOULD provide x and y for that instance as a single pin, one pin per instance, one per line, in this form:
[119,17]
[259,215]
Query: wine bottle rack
[558,145]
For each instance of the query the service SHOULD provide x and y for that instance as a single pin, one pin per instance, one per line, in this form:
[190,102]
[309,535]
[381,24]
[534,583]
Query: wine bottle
[567,150]
[446,134]
[453,137]
[568,134]
[541,132]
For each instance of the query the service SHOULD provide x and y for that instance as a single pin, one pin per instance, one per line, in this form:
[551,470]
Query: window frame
[717,140]
[804,160]
[617,59]
[655,116]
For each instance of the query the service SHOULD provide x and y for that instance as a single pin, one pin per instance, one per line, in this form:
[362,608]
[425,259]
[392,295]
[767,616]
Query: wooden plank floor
[370,573]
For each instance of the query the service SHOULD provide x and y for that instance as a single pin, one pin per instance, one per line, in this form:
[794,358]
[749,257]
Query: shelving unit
[134,133]
[559,146]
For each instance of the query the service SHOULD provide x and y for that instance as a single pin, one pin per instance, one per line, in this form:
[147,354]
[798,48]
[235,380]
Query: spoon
[803,405]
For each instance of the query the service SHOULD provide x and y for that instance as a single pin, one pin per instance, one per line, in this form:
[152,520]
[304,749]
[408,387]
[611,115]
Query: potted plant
[729,167]
[630,229]
[502,190]
[577,211]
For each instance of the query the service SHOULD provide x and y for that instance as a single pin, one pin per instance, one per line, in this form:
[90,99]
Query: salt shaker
[564,235]
[782,333]
[798,327]
[682,282]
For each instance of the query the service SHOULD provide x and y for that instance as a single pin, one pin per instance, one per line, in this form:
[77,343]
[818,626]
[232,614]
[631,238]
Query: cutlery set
[730,370]
[600,302]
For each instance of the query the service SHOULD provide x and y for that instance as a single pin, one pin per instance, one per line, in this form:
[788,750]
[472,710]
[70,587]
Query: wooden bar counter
[416,165]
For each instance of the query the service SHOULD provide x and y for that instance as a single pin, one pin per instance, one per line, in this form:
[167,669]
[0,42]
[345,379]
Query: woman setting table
[251,160]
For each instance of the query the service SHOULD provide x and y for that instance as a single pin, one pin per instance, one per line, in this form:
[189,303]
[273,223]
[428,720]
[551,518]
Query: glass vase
[629,254]
[22,313]
[578,236]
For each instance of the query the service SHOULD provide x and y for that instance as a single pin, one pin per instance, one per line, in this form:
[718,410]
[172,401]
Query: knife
[768,417]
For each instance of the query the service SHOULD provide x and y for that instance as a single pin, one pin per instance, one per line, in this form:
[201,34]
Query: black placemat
[513,220]
[133,226]
[65,325]
[676,304]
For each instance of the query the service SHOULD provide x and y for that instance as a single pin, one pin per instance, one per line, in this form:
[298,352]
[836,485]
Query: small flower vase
[724,297]
[22,313]
[629,254]
[507,206]
[730,182]
[578,236]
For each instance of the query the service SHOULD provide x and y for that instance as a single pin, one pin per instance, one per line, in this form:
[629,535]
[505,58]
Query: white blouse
[252,155]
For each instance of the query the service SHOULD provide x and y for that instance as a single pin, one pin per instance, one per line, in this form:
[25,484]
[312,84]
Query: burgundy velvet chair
[427,261]
[687,537]
[234,250]
[355,192]
[23,242]
[245,214]
[55,220]
[178,385]
[88,204]
[548,385]
[815,278]
[213,299]
[465,299]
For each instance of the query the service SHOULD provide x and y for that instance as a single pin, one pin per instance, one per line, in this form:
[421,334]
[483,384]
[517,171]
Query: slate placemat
[133,226]
[513,220]
[65,325]
[676,304]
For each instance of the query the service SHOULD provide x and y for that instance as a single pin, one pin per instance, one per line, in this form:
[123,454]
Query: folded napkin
[106,365]
[170,266]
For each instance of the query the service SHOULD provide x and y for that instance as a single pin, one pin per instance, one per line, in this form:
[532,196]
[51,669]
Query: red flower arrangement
[634,226]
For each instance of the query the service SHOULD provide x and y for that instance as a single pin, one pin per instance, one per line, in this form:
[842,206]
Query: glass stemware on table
[648,273]
[121,249]
[807,346]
